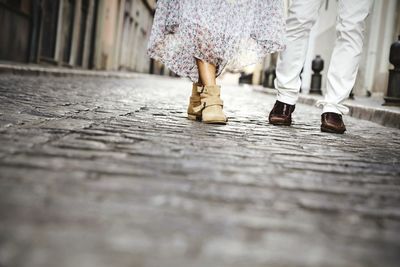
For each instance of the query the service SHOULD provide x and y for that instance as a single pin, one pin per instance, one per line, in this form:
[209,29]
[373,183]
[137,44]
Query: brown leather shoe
[281,114]
[332,123]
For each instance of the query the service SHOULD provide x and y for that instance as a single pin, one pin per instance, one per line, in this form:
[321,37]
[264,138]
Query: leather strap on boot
[195,99]
[214,90]
[208,102]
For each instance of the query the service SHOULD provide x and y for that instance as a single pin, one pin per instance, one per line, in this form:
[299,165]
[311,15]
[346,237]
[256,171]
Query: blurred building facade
[113,35]
[90,34]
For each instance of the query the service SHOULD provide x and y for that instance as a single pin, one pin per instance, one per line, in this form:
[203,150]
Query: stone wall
[122,35]
[95,34]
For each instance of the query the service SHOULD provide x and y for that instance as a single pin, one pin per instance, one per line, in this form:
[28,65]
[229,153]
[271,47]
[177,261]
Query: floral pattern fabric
[233,33]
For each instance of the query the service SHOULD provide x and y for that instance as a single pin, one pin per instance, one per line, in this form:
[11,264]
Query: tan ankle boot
[211,105]
[194,102]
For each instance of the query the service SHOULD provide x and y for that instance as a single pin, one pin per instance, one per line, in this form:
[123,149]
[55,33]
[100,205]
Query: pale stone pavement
[109,172]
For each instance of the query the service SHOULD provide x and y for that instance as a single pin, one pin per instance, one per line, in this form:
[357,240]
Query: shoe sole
[280,123]
[328,130]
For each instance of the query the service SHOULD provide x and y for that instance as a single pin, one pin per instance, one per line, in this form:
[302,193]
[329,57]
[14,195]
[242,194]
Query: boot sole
[194,118]
[198,118]
[328,130]
[215,122]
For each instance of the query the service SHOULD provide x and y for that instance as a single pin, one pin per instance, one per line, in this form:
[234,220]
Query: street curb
[35,70]
[381,115]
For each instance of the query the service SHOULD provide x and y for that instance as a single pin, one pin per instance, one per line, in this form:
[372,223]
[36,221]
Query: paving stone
[107,171]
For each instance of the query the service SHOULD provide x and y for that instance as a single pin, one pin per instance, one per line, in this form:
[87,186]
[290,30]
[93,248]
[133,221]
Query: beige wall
[386,34]
[122,35]
[105,38]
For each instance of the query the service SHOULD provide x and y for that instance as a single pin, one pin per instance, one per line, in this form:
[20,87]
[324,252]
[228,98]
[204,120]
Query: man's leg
[344,64]
[302,16]
[346,55]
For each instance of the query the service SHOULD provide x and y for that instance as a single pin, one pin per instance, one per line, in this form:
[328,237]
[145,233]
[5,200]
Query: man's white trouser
[345,59]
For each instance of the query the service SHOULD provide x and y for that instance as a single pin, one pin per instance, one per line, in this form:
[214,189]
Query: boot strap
[205,90]
[195,99]
[208,102]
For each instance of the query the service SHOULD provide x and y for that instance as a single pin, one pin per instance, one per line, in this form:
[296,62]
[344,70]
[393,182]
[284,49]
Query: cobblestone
[109,172]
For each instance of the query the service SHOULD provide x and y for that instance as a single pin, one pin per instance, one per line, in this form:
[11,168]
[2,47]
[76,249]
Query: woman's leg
[207,73]
[211,103]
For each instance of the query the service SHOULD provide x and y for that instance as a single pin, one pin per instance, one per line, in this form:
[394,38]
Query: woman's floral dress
[236,33]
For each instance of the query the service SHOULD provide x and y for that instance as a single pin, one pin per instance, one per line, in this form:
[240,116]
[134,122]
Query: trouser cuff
[332,107]
[287,98]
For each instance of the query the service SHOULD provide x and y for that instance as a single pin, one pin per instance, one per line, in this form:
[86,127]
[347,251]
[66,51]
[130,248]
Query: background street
[109,172]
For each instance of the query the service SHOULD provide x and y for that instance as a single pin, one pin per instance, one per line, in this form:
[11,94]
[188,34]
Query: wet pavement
[109,172]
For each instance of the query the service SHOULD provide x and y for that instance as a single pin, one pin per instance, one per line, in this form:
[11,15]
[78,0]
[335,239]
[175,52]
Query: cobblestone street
[100,172]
